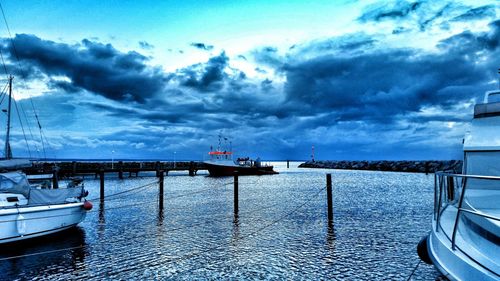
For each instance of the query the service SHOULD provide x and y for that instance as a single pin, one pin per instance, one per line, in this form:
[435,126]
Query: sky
[358,80]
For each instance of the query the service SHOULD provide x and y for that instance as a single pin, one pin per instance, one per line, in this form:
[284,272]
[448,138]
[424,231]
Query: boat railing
[450,189]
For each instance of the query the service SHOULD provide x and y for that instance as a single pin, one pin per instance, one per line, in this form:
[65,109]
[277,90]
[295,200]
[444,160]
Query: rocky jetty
[395,166]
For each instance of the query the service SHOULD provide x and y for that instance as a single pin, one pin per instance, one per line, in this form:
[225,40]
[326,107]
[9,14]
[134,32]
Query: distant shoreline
[430,166]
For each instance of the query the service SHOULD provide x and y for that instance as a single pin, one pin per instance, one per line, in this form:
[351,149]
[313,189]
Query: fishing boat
[27,210]
[221,163]
[464,243]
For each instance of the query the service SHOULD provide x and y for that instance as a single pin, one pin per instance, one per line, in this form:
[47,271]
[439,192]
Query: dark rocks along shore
[395,166]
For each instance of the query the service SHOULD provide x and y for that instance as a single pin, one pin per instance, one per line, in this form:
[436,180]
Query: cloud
[91,66]
[349,44]
[206,77]
[478,13]
[145,45]
[268,56]
[473,44]
[385,11]
[421,14]
[202,46]
[384,86]
[352,96]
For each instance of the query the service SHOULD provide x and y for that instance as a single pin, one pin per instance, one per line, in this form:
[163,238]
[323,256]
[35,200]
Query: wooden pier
[65,169]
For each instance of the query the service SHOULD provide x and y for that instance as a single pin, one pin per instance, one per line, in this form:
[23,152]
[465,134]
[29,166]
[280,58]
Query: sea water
[280,231]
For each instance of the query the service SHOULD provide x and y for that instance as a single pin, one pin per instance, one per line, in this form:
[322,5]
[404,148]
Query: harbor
[292,140]
[281,230]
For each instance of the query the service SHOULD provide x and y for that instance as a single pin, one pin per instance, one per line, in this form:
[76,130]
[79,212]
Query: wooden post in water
[329,197]
[120,170]
[101,177]
[287,164]
[235,192]
[191,169]
[160,181]
[55,178]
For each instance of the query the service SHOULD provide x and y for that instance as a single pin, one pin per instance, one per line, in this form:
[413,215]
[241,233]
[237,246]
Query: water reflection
[370,238]
[330,237]
[236,228]
[66,248]
[161,217]
[101,226]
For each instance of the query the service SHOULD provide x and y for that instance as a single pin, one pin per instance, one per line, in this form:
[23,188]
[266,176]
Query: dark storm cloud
[468,43]
[63,85]
[421,14]
[175,114]
[385,86]
[206,77]
[266,85]
[482,12]
[92,66]
[397,10]
[202,46]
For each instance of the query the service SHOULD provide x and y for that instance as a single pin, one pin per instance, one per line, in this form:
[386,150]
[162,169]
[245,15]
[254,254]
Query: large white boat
[27,210]
[464,243]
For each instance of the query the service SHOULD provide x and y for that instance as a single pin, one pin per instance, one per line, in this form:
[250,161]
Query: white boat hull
[28,222]
[473,258]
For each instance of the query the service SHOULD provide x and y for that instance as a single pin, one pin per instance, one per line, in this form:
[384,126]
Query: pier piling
[55,178]
[329,197]
[160,181]
[120,170]
[101,177]
[235,193]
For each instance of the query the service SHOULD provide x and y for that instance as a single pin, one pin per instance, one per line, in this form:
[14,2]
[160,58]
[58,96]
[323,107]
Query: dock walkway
[75,168]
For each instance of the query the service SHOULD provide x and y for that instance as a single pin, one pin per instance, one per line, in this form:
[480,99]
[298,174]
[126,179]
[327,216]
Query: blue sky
[147,79]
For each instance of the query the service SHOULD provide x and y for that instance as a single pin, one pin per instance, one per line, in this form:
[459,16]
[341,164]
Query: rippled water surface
[280,232]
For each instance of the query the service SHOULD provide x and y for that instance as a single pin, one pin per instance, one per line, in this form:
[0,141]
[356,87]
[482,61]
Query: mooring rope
[180,228]
[126,191]
[193,254]
[414,269]
[41,253]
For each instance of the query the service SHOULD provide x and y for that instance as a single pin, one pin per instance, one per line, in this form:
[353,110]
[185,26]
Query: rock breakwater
[395,166]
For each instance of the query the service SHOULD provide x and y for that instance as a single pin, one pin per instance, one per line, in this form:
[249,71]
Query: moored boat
[27,210]
[221,163]
[464,243]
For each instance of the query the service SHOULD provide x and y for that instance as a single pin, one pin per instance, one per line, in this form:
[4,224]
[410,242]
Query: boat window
[483,163]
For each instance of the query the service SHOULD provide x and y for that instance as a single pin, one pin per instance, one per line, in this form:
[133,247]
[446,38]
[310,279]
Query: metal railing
[446,188]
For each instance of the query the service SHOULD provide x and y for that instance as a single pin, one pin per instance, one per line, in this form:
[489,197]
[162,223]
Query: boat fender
[87,205]
[21,225]
[423,251]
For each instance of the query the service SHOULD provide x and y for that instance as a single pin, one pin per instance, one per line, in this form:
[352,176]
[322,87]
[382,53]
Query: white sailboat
[464,243]
[27,210]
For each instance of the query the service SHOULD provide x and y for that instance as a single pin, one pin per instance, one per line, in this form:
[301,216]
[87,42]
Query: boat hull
[455,264]
[225,170]
[22,223]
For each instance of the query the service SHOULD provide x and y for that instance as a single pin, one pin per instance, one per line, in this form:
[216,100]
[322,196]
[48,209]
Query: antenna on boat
[8,151]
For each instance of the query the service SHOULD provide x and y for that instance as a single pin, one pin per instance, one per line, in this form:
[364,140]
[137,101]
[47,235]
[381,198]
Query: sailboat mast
[8,152]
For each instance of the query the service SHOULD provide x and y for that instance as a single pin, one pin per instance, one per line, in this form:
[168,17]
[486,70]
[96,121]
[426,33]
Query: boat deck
[477,238]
